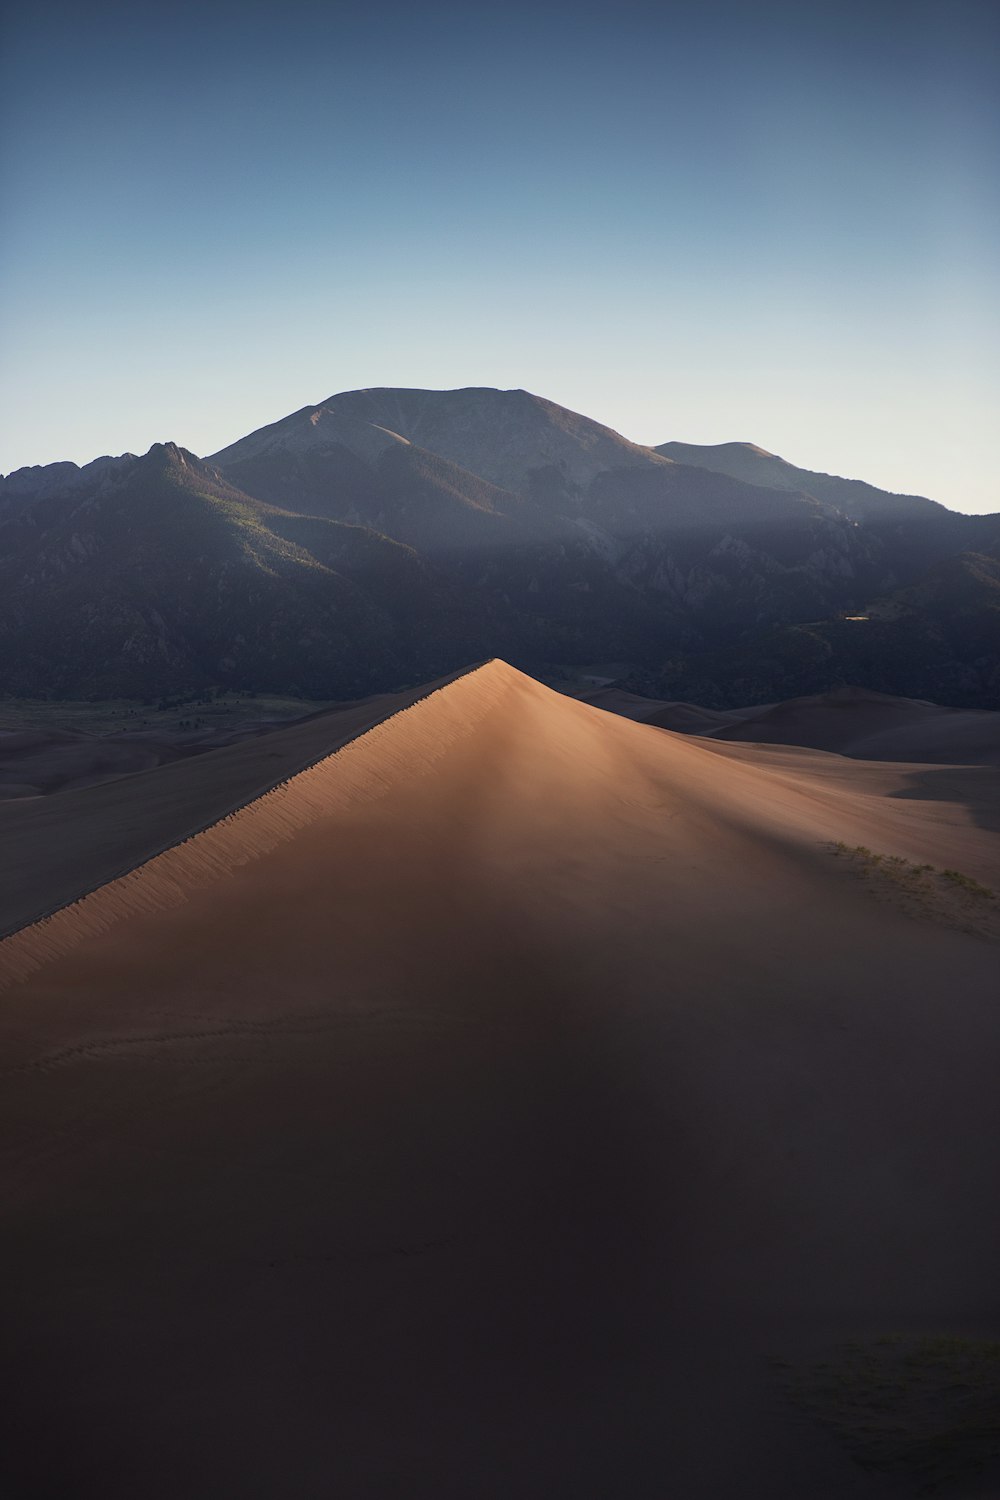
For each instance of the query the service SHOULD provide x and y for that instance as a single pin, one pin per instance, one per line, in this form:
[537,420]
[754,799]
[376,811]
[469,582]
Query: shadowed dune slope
[614,699]
[688,718]
[472,1113]
[848,721]
[41,762]
[56,850]
[874,726]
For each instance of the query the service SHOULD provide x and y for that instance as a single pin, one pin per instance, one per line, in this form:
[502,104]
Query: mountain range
[387,536]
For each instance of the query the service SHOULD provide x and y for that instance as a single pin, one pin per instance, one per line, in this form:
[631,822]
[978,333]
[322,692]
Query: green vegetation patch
[925,1410]
[947,897]
[213,708]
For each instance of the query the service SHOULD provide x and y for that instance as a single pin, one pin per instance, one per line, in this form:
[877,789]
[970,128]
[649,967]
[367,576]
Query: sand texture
[846,721]
[56,849]
[37,761]
[481,1103]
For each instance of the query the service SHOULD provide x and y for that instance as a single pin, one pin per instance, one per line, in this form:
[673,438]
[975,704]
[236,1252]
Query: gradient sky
[775,223]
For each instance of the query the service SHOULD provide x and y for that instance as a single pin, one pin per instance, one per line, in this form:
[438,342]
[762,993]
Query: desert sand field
[846,721]
[57,848]
[500,1098]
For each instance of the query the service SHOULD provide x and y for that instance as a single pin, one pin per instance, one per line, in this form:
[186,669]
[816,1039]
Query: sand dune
[473,1111]
[58,848]
[874,726]
[39,762]
[849,721]
[35,763]
[846,721]
[691,718]
[615,699]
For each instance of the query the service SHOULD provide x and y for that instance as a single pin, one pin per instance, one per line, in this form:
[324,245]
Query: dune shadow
[976,788]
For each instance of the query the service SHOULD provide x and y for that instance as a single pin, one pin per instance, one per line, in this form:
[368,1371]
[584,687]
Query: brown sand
[39,761]
[848,721]
[56,849]
[34,762]
[472,1114]
[616,700]
[689,718]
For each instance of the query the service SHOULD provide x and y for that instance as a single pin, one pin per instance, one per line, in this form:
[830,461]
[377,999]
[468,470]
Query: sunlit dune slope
[470,1113]
[55,851]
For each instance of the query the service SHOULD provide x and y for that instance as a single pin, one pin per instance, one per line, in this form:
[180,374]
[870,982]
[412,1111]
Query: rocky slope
[912,531]
[386,536]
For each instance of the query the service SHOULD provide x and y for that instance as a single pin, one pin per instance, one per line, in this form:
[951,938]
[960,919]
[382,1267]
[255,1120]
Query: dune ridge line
[345,777]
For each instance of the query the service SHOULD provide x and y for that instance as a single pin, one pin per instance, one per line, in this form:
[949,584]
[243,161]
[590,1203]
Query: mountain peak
[170,455]
[172,451]
[502,435]
[754,465]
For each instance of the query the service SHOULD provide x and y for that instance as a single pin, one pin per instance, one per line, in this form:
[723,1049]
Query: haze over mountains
[463,1089]
[387,536]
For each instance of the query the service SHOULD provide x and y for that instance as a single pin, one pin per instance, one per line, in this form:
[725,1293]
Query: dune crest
[748,799]
[516,1069]
[362,770]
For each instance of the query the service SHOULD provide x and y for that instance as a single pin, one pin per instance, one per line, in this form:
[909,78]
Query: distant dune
[873,726]
[58,848]
[847,721]
[474,1110]
[851,721]
[684,718]
[37,761]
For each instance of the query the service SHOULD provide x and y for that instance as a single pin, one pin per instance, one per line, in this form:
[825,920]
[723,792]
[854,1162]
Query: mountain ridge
[387,535]
[756,465]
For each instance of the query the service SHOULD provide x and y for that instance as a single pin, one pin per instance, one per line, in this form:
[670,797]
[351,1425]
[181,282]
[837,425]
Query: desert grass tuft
[948,898]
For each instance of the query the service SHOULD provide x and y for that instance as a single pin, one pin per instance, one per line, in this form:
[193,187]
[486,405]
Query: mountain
[502,452]
[21,490]
[914,531]
[753,465]
[499,1098]
[705,546]
[321,463]
[160,577]
[157,576]
[936,639]
[385,536]
[513,439]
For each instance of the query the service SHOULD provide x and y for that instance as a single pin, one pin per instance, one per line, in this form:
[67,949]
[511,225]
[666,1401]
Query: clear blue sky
[777,223]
